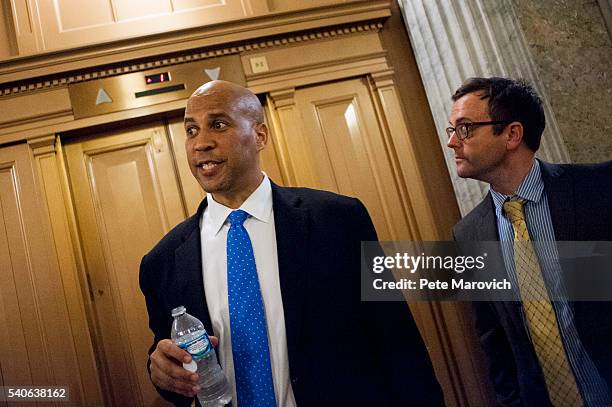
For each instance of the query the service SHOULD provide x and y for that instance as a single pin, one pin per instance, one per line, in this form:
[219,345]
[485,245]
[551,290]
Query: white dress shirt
[260,226]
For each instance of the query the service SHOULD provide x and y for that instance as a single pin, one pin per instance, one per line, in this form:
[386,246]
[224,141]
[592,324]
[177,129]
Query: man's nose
[453,141]
[204,142]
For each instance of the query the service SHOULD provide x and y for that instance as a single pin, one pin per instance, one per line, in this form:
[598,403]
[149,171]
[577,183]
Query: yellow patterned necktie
[539,312]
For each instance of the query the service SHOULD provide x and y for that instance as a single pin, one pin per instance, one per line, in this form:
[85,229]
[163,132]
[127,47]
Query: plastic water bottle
[189,334]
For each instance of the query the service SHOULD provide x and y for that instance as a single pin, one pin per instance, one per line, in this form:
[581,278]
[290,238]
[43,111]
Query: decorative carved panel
[65,24]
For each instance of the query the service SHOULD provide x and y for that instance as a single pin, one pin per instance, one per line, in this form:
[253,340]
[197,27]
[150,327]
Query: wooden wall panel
[334,140]
[67,24]
[138,9]
[71,15]
[53,181]
[35,318]
[8,43]
[16,347]
[49,104]
[27,32]
[126,198]
[289,138]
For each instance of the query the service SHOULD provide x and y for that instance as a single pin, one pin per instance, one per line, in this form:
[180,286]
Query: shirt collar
[258,205]
[530,189]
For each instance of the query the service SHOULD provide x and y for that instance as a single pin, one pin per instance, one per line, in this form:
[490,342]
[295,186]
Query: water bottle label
[198,348]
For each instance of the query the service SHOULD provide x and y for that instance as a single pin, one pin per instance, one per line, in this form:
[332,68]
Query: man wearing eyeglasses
[538,352]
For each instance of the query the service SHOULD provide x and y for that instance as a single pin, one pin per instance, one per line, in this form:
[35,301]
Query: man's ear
[261,130]
[514,135]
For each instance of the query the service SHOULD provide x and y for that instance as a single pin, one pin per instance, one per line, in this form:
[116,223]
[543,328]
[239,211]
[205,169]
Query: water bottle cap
[178,311]
[191,366]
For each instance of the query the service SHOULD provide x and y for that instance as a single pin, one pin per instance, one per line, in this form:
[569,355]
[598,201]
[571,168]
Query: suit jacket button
[294,380]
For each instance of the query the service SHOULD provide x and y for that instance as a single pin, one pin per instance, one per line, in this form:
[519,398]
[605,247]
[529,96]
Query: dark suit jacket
[341,351]
[580,202]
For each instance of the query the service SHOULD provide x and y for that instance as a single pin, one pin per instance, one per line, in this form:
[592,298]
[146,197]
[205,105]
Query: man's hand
[167,371]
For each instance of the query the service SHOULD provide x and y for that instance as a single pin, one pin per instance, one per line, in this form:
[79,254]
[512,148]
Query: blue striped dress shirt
[592,387]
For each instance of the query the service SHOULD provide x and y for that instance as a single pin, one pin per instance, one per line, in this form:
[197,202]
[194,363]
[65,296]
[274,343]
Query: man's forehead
[208,97]
[210,114]
[477,97]
[471,101]
[469,107]
[209,102]
[207,108]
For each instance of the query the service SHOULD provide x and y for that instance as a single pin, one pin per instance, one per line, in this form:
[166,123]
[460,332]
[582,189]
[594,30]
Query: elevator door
[129,188]
[127,196]
[334,141]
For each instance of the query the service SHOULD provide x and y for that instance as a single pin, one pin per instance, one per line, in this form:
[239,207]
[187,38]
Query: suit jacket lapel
[559,191]
[486,229]
[187,278]
[292,236]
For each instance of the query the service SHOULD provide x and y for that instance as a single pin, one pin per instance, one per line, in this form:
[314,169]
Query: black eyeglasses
[462,130]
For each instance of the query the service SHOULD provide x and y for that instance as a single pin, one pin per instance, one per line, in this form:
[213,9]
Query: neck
[508,179]
[234,199]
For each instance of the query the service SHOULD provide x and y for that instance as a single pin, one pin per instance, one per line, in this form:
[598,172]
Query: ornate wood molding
[35,84]
[283,98]
[383,79]
[31,73]
[42,145]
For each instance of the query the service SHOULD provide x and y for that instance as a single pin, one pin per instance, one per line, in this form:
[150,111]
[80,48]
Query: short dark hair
[510,100]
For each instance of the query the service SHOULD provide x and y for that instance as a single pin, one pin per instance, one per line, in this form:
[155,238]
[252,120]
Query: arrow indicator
[213,74]
[103,97]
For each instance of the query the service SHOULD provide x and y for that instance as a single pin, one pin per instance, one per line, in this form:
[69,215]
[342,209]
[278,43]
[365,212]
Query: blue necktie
[252,368]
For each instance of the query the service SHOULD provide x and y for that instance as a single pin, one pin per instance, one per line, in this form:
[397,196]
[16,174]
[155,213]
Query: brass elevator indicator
[157,78]
[146,88]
